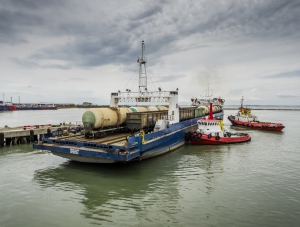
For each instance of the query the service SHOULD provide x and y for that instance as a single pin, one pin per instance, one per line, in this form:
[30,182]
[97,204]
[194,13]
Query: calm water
[250,184]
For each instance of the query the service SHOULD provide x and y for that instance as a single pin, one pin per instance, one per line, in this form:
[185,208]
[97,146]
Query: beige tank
[215,109]
[138,109]
[104,117]
[162,108]
[206,109]
[152,108]
[123,112]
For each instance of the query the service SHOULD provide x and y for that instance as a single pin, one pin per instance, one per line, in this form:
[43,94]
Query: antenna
[242,100]
[142,71]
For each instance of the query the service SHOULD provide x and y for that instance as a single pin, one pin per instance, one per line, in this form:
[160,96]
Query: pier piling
[1,139]
[31,136]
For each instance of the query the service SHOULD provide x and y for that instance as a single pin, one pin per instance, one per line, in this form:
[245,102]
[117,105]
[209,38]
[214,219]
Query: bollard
[1,139]
[31,136]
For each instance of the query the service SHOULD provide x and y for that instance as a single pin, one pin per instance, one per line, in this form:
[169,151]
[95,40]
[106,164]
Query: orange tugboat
[245,118]
[211,132]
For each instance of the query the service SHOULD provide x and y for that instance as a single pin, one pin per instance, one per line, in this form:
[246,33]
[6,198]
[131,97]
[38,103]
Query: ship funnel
[210,112]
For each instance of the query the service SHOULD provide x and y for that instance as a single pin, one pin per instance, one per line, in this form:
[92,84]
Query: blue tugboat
[119,134]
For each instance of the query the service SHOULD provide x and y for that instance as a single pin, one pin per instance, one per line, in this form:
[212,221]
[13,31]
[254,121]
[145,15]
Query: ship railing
[167,117]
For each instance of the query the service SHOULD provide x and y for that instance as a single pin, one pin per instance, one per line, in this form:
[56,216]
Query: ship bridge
[170,97]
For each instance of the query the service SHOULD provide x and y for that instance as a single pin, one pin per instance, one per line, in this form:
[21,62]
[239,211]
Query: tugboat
[245,118]
[211,132]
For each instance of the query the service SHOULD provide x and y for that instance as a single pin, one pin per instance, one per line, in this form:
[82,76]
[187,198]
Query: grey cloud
[13,25]
[33,4]
[287,95]
[148,13]
[112,37]
[31,63]
[171,78]
[285,75]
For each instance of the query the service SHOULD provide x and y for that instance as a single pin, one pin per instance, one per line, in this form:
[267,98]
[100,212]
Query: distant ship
[6,106]
[36,107]
[245,118]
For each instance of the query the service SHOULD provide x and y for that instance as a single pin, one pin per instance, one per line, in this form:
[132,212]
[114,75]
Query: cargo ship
[6,106]
[245,118]
[35,107]
[121,134]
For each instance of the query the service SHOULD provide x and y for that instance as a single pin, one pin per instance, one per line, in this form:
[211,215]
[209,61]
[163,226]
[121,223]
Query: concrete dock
[34,133]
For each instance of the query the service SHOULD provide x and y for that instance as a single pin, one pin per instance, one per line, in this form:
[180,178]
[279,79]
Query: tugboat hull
[266,126]
[204,139]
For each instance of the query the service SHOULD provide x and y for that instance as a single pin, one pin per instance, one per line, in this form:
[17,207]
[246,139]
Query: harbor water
[249,184]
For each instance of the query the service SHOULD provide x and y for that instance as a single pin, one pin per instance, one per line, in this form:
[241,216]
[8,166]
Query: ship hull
[36,108]
[204,140]
[140,147]
[7,108]
[257,125]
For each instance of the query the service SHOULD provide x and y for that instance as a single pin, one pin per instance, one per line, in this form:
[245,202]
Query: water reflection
[108,192]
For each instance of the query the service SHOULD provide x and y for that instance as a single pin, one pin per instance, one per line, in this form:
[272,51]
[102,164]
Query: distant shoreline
[236,108]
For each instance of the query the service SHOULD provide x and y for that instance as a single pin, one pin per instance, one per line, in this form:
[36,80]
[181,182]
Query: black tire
[217,137]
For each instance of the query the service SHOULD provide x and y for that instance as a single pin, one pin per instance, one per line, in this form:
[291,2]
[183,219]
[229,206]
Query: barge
[109,137]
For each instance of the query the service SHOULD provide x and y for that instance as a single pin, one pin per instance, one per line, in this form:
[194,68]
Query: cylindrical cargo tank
[138,109]
[94,118]
[206,111]
[162,107]
[152,108]
[215,109]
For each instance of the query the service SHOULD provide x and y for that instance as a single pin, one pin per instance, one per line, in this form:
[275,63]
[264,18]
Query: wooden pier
[33,133]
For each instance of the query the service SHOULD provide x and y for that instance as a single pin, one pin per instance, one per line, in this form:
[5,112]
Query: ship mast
[147,97]
[142,71]
[242,100]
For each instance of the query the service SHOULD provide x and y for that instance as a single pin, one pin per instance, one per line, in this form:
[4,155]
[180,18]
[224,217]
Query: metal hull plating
[139,147]
[7,108]
[266,126]
[204,140]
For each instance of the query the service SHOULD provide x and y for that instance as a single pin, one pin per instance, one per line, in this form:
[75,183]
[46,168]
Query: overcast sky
[72,51]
